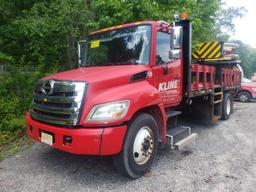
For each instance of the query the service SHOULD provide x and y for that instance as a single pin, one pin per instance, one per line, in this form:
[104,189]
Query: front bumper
[253,96]
[90,141]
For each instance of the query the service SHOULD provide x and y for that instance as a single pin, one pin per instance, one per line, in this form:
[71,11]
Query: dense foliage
[247,55]
[38,37]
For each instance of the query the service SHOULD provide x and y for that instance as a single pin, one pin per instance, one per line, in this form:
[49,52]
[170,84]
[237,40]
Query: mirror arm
[79,54]
[79,51]
[172,44]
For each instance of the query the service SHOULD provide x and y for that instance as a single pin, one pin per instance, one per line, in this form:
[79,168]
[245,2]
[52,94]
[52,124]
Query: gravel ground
[222,159]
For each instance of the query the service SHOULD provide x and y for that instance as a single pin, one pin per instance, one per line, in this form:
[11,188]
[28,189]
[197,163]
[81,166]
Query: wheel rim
[243,97]
[143,145]
[228,106]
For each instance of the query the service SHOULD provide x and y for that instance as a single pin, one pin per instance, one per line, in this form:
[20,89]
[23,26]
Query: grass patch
[17,142]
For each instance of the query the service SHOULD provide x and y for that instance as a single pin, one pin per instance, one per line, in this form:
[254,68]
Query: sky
[245,27]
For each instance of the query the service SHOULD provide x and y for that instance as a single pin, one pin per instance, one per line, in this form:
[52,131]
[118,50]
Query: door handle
[165,69]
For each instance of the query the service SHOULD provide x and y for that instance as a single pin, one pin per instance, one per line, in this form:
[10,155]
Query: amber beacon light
[184,15]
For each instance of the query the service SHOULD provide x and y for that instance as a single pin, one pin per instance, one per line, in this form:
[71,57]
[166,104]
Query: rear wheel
[139,148]
[244,96]
[227,106]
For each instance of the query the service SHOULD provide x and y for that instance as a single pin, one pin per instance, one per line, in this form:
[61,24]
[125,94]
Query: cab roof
[125,25]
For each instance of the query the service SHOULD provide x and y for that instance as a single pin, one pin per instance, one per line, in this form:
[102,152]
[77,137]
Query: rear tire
[244,96]
[139,148]
[227,106]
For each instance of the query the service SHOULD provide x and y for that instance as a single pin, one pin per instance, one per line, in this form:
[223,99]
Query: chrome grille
[57,102]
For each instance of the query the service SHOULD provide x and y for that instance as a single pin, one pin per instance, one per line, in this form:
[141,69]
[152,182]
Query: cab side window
[163,45]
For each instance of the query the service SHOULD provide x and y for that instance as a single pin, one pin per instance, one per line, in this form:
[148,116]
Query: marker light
[184,15]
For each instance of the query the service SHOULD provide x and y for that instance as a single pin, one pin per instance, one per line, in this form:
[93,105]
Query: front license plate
[46,138]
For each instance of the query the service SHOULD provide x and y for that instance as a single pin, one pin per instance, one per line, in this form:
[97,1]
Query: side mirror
[176,38]
[81,46]
[174,54]
[176,43]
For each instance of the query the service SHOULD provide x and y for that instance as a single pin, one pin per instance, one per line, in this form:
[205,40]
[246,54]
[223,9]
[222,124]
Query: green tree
[46,34]
[35,40]
[247,55]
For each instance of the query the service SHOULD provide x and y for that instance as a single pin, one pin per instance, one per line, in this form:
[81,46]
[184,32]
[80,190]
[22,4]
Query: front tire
[227,106]
[139,148]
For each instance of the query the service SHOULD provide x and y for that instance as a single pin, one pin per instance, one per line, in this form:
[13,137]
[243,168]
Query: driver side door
[167,72]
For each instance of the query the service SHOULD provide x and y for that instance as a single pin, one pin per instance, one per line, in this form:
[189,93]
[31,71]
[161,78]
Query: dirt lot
[222,159]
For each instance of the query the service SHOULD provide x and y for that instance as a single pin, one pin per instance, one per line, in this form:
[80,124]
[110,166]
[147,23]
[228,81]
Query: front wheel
[139,148]
[227,106]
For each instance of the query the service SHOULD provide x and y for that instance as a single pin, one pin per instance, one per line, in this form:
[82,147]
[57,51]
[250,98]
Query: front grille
[57,102]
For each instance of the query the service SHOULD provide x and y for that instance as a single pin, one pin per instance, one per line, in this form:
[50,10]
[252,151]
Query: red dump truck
[133,82]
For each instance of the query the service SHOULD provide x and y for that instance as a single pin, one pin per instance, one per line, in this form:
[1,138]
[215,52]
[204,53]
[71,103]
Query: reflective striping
[195,55]
[204,46]
[138,23]
[209,50]
[116,27]
[218,55]
[215,48]
[119,26]
[214,52]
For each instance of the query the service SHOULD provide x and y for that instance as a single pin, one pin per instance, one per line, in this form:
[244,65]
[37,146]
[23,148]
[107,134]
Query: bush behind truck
[133,82]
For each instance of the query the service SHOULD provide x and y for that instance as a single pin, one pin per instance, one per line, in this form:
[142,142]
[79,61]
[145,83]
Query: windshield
[125,46]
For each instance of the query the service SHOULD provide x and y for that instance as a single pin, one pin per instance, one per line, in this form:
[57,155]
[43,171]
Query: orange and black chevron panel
[209,50]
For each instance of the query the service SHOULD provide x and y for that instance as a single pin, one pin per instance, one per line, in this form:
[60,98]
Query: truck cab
[144,45]
[130,81]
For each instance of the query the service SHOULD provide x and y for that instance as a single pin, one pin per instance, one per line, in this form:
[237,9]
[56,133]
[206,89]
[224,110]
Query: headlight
[254,89]
[109,111]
